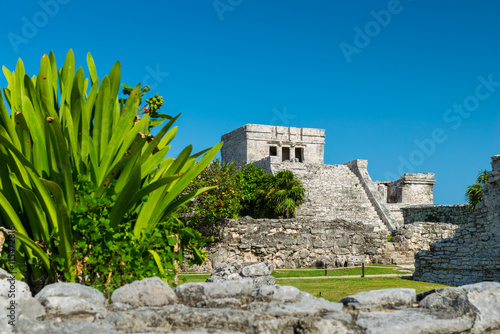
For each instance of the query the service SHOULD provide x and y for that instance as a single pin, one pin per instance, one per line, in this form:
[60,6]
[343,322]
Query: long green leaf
[64,232]
[157,259]
[38,251]
[121,204]
[92,69]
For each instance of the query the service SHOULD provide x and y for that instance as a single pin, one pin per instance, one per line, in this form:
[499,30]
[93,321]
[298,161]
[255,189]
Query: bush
[249,178]
[224,201]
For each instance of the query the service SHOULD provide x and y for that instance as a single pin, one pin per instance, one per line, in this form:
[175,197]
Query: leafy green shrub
[80,166]
[224,201]
[249,178]
[474,192]
[109,257]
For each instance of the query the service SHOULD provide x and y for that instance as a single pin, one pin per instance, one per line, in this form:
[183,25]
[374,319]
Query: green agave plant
[61,127]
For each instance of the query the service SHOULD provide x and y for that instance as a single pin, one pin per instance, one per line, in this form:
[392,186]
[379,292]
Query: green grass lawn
[192,278]
[334,289]
[370,270]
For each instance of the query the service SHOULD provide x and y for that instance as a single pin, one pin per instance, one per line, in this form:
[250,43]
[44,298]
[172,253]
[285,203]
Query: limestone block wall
[420,235]
[295,243]
[453,214]
[473,254]
[411,238]
[303,243]
[234,148]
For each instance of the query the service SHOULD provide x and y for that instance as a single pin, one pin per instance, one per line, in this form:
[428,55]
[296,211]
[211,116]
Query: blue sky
[411,86]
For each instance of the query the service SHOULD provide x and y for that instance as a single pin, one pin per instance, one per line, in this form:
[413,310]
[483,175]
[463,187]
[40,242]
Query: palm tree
[474,192]
[279,195]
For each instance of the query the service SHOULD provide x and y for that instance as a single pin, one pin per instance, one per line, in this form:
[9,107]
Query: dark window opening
[299,154]
[273,151]
[285,154]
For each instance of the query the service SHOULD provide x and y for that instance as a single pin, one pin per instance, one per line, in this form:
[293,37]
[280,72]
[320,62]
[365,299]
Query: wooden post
[326,270]
[363,269]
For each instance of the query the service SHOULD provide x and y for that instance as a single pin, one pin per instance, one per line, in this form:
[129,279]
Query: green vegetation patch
[338,272]
[191,278]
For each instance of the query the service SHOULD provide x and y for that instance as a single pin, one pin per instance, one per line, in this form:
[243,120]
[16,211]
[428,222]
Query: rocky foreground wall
[303,243]
[151,306]
[473,254]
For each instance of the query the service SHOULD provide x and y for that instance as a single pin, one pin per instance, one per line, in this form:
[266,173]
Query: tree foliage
[474,192]
[279,195]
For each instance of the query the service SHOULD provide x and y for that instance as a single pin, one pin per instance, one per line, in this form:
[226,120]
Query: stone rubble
[236,306]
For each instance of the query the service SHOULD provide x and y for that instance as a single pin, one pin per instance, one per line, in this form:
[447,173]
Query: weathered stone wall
[410,238]
[452,214]
[296,243]
[396,212]
[473,254]
[419,235]
[417,188]
[303,243]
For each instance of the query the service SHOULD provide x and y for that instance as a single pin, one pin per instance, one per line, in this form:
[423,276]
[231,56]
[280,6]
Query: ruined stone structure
[347,218]
[332,191]
[473,254]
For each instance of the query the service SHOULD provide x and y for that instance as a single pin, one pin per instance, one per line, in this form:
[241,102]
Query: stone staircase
[334,192]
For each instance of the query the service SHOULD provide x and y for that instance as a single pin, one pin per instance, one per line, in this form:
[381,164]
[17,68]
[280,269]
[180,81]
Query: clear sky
[411,86]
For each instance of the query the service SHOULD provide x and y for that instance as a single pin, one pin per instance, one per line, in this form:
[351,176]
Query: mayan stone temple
[348,219]
[333,191]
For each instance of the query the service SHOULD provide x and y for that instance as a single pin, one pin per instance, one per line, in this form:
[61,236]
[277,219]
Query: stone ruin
[473,253]
[238,306]
[332,191]
[347,218]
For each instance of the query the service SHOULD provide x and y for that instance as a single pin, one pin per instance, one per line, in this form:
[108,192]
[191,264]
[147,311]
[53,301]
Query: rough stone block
[147,292]
[380,299]
[72,300]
